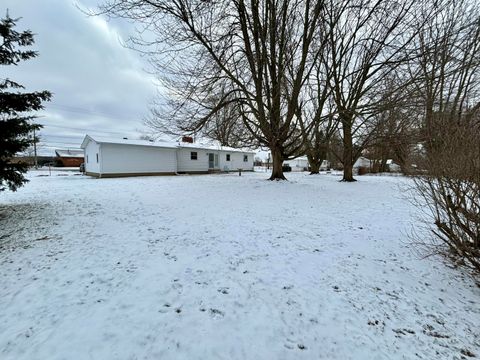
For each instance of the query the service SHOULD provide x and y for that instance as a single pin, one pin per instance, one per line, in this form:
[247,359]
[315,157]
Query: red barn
[69,157]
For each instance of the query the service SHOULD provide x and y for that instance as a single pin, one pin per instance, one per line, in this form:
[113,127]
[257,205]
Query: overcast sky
[99,86]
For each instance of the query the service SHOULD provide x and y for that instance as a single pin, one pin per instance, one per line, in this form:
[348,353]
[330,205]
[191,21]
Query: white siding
[130,159]
[224,164]
[362,162]
[91,151]
[298,164]
[237,162]
[185,164]
[122,159]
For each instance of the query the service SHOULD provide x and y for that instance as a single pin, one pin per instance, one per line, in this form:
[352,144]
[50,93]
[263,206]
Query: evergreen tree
[16,106]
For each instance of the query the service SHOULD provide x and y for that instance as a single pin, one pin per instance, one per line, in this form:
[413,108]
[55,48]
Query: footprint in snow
[215,313]
[291,344]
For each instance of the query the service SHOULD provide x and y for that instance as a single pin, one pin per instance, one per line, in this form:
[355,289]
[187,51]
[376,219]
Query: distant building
[362,162]
[301,164]
[393,167]
[362,166]
[107,157]
[69,157]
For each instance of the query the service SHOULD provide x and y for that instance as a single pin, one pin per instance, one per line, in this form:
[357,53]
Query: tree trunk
[315,163]
[347,152]
[277,168]
[314,167]
[383,164]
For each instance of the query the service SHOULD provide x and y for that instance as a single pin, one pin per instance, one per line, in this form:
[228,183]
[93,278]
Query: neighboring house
[393,167]
[69,157]
[301,164]
[298,164]
[362,162]
[106,157]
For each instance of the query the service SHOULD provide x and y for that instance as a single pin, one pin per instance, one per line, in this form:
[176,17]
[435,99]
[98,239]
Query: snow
[72,153]
[224,267]
[161,144]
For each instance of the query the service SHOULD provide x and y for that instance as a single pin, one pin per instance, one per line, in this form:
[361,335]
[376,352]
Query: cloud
[99,86]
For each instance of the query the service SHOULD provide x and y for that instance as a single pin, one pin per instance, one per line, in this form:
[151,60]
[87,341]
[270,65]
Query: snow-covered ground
[224,267]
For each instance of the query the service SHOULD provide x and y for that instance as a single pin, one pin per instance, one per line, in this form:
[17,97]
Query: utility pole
[35,150]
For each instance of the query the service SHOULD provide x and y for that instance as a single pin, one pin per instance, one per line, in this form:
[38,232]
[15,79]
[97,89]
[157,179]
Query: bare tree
[367,41]
[317,117]
[244,47]
[396,125]
[445,69]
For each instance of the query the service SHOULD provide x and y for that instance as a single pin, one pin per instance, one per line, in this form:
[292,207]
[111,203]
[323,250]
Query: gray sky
[99,86]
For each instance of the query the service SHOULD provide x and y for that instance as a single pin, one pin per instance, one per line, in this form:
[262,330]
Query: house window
[193,155]
[97,157]
[245,158]
[228,157]
[87,158]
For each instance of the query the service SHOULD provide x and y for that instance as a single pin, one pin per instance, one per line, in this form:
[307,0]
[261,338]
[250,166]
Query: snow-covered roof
[161,144]
[125,141]
[73,153]
[361,161]
[302,158]
[211,147]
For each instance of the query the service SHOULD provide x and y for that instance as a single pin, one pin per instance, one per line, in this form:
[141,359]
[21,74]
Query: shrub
[450,189]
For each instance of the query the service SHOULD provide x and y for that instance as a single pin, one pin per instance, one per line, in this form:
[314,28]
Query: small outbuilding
[106,157]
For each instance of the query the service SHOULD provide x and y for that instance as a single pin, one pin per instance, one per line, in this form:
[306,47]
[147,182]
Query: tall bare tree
[446,67]
[367,40]
[396,125]
[317,116]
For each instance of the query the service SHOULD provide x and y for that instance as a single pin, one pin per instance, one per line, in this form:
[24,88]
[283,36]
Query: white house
[107,157]
[393,167]
[298,164]
[301,164]
[362,162]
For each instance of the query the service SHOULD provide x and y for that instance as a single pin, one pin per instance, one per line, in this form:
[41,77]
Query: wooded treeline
[294,76]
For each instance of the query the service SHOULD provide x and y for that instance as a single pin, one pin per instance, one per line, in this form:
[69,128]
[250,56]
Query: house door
[211,161]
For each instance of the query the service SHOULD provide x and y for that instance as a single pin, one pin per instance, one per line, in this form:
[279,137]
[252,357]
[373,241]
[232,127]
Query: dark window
[87,158]
[228,157]
[245,158]
[97,157]
[193,155]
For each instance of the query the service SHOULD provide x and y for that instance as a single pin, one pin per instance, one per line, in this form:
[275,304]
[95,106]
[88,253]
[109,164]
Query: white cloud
[98,84]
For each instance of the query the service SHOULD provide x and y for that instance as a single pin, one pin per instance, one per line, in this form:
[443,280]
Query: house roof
[73,153]
[302,158]
[160,144]
[125,141]
[212,147]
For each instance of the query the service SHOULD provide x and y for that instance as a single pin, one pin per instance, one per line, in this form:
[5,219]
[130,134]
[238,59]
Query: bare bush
[450,190]
[447,80]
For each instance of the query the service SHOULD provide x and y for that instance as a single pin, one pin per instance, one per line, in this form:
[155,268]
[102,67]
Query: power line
[61,136]
[84,111]
[84,129]
[58,142]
